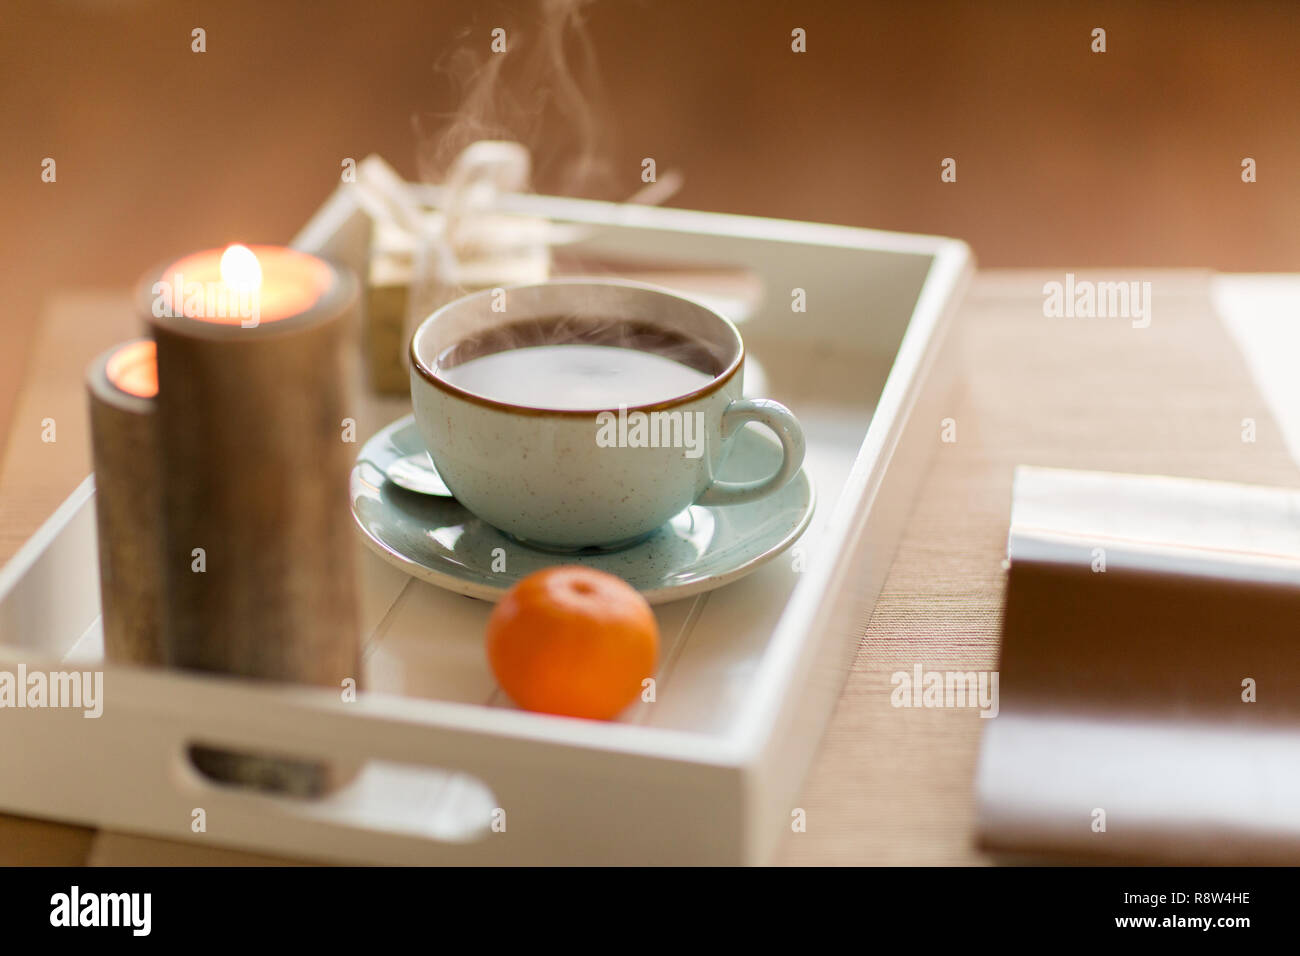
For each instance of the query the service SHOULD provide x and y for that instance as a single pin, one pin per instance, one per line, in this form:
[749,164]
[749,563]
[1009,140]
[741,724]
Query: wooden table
[890,786]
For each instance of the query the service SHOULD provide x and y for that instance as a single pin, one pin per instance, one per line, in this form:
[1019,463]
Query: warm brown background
[1065,157]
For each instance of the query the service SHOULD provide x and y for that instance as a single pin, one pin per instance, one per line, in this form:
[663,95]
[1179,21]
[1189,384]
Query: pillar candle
[257,547]
[121,385]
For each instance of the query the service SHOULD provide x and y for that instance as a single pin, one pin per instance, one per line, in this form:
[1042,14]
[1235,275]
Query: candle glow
[240,268]
[134,369]
[225,286]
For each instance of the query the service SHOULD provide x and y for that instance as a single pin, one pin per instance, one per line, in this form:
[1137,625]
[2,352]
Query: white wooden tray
[710,772]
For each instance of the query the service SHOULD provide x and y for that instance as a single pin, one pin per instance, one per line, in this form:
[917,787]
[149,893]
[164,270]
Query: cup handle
[778,418]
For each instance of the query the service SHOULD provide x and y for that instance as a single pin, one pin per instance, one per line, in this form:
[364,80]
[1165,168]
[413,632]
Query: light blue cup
[552,478]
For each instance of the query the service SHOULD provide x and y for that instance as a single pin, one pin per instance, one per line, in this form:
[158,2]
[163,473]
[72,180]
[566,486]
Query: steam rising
[541,92]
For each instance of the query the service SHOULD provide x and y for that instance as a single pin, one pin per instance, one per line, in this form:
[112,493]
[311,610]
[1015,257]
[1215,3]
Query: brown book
[1150,672]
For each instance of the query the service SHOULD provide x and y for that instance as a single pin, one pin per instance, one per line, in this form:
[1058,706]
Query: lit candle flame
[240,268]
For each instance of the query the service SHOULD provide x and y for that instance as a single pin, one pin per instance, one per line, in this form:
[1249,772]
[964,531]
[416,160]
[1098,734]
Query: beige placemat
[889,786]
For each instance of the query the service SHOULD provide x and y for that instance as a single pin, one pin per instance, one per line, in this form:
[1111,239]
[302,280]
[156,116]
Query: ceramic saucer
[439,541]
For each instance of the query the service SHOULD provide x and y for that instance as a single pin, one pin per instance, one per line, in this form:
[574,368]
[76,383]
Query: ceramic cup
[565,480]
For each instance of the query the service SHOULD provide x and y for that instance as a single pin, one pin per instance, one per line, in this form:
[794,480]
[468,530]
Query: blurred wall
[1065,157]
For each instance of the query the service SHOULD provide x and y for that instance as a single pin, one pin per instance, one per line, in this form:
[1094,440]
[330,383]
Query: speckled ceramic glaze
[540,474]
[701,548]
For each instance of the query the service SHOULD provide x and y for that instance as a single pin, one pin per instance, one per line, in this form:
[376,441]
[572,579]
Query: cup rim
[719,380]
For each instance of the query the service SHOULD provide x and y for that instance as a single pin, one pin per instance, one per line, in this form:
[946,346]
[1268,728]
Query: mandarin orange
[574,641]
